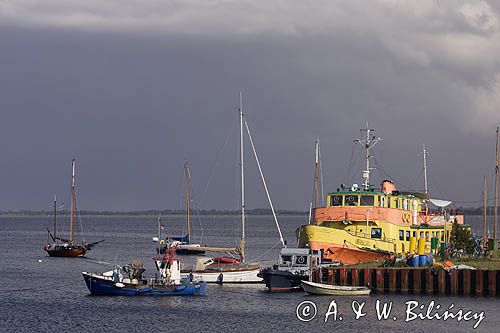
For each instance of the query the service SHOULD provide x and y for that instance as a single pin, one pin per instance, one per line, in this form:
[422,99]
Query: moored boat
[360,224]
[61,247]
[315,288]
[169,282]
[293,266]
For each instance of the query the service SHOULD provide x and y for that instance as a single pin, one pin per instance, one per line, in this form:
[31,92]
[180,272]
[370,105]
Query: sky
[133,89]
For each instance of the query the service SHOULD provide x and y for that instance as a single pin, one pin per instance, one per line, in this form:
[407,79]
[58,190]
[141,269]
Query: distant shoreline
[216,212]
[151,212]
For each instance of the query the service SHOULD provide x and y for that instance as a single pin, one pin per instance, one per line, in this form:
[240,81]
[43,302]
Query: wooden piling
[442,282]
[417,281]
[367,276]
[330,276]
[355,277]
[380,280]
[392,281]
[467,281]
[404,280]
[342,276]
[429,280]
[479,282]
[454,282]
[492,283]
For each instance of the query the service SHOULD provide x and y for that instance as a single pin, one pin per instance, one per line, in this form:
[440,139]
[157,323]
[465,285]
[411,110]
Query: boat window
[366,200]
[401,235]
[301,260]
[351,200]
[389,202]
[382,201]
[427,236]
[421,234]
[407,235]
[397,202]
[336,200]
[414,234]
[285,259]
[405,204]
[376,233]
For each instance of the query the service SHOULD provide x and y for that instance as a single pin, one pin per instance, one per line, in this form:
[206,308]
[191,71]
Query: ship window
[286,259]
[421,234]
[389,202]
[405,204]
[301,260]
[336,200]
[382,201]
[366,200]
[407,235]
[427,236]
[351,200]
[414,234]
[397,202]
[401,235]
[376,233]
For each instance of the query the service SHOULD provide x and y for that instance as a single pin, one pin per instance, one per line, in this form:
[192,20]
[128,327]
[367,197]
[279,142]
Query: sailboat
[61,247]
[231,270]
[183,244]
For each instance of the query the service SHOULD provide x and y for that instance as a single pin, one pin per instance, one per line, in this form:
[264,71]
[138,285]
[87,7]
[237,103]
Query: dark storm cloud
[132,91]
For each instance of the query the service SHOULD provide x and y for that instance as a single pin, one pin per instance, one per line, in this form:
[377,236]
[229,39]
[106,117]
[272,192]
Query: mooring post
[330,276]
[342,276]
[404,280]
[442,281]
[392,281]
[492,283]
[355,277]
[454,282]
[380,279]
[479,282]
[417,281]
[367,275]
[467,282]
[429,281]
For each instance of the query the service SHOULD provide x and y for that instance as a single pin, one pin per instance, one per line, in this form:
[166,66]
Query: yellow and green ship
[362,224]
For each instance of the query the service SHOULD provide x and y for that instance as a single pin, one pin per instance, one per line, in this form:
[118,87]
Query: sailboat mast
[242,171]
[55,212]
[316,173]
[188,211]
[495,216]
[72,200]
[485,212]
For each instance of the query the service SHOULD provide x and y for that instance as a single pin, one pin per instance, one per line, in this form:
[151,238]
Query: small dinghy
[330,289]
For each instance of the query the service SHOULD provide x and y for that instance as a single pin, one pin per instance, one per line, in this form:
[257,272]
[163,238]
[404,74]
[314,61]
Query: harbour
[58,289]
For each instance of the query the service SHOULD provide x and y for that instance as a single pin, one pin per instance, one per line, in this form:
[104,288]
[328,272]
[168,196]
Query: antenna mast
[425,171]
[368,143]
[316,173]
[55,218]
[485,212]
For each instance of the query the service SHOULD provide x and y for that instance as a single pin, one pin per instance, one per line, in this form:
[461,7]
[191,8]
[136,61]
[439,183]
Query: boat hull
[280,280]
[70,251]
[326,289]
[230,276]
[99,285]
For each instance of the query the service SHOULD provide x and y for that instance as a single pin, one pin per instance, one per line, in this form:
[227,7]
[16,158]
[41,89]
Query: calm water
[51,296]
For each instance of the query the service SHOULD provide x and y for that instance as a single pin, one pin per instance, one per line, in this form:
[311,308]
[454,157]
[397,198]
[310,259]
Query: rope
[266,252]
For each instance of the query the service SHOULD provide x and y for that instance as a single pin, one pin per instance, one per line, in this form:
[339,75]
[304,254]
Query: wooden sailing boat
[230,270]
[61,247]
[183,244]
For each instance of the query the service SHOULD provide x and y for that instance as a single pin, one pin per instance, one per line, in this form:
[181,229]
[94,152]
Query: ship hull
[99,285]
[281,281]
[71,251]
[228,276]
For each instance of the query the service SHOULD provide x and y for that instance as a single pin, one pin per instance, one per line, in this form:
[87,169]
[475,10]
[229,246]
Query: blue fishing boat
[169,282]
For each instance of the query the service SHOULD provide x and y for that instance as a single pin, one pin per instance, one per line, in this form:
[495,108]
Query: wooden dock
[416,281]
